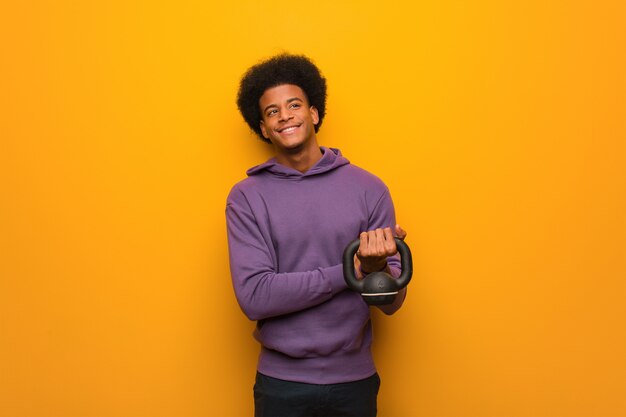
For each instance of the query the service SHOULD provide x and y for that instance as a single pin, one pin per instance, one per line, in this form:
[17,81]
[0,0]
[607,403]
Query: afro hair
[279,70]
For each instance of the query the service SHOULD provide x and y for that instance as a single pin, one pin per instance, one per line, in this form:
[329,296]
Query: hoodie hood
[330,160]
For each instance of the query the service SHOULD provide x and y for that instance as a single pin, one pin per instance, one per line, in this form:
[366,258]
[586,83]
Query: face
[287,118]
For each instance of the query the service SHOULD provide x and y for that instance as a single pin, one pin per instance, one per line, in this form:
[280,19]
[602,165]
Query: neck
[300,159]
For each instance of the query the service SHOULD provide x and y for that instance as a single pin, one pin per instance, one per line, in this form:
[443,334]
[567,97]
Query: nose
[285,114]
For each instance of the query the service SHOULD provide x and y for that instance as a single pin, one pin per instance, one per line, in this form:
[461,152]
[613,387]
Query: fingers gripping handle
[349,274]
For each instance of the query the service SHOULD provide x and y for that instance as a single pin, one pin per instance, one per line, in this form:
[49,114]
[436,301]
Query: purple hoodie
[286,235]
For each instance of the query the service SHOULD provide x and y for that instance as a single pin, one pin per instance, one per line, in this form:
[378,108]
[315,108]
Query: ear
[314,115]
[263,130]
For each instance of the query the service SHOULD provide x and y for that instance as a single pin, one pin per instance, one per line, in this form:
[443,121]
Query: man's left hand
[376,246]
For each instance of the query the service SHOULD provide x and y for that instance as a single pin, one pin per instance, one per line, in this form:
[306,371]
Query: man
[288,224]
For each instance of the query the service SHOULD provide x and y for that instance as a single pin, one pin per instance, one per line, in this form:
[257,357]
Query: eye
[272,112]
[295,105]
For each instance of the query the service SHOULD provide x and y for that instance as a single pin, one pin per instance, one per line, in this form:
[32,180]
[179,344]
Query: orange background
[499,128]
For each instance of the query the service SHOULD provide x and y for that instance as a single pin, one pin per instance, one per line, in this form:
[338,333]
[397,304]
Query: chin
[291,145]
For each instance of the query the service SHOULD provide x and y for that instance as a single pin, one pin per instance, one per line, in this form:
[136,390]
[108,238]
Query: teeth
[289,129]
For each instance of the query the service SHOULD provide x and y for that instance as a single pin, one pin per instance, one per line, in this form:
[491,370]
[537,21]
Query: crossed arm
[263,293]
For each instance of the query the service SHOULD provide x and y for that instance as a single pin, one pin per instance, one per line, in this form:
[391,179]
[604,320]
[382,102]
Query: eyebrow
[288,101]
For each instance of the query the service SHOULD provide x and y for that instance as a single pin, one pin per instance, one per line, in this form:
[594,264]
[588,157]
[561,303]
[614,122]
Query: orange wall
[500,130]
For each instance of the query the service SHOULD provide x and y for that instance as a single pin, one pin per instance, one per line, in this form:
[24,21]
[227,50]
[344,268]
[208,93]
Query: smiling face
[287,118]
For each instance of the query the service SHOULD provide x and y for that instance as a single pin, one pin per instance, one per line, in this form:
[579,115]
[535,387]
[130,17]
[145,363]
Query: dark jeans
[277,398]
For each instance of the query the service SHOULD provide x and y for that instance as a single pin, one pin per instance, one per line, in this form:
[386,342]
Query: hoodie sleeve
[383,215]
[261,291]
